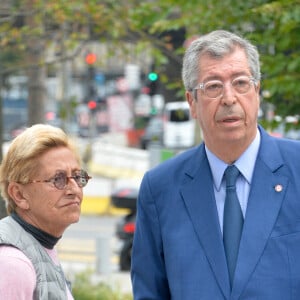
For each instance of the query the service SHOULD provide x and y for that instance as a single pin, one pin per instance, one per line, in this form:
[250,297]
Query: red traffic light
[92,104]
[90,58]
[145,90]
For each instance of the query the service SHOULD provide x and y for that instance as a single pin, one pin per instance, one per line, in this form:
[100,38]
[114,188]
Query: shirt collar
[245,163]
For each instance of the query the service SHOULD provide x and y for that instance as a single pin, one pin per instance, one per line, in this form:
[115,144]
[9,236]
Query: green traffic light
[152,76]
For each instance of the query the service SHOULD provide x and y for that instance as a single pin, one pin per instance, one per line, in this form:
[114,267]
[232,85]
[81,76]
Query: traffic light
[92,105]
[90,58]
[152,76]
[90,84]
[153,83]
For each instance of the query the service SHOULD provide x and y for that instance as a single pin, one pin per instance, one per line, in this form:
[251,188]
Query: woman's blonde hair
[20,163]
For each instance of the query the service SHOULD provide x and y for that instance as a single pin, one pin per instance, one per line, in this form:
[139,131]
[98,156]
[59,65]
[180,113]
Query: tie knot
[231,174]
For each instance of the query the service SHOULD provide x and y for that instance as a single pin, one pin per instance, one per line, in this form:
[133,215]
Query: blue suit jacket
[178,250]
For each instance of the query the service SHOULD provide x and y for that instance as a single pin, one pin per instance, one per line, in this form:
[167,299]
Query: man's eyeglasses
[60,180]
[215,88]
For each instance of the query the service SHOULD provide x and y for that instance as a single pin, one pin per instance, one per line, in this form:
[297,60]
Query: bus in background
[179,127]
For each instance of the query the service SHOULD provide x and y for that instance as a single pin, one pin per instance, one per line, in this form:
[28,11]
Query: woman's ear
[18,194]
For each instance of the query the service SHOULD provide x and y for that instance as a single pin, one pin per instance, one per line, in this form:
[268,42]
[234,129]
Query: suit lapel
[263,208]
[199,199]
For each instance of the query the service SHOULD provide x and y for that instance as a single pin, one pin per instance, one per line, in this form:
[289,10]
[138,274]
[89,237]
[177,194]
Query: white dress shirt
[245,163]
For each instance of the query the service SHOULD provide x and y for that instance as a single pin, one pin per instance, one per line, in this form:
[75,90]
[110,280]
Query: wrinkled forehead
[57,159]
[231,64]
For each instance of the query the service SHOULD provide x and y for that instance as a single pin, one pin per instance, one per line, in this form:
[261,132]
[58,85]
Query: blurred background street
[92,244]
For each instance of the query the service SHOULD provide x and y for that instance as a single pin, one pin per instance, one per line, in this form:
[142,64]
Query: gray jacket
[51,282]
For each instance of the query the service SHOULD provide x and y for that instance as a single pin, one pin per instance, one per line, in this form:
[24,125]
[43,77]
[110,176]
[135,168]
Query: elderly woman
[41,181]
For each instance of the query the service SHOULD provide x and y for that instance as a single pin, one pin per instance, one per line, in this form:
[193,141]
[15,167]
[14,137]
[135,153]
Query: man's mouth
[230,119]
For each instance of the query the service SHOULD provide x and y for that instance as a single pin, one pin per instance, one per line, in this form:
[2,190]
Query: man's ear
[192,103]
[257,89]
[18,194]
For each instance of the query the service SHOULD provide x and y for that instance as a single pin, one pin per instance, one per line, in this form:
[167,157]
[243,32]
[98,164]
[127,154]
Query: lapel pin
[278,188]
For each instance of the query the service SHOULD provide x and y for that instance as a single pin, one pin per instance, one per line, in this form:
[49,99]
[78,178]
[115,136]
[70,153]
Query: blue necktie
[233,220]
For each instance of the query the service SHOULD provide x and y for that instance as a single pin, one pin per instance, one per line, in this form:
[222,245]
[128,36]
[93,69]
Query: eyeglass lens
[214,88]
[61,179]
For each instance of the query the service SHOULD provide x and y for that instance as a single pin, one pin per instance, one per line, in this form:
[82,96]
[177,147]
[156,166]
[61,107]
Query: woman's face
[41,203]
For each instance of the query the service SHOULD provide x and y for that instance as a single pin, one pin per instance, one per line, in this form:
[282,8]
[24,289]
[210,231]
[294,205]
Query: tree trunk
[36,73]
[2,203]
[36,94]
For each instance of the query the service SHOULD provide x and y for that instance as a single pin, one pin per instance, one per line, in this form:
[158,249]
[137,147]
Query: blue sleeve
[148,271]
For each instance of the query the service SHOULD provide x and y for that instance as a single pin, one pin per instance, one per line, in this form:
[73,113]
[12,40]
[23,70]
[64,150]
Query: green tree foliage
[84,288]
[272,25]
[279,33]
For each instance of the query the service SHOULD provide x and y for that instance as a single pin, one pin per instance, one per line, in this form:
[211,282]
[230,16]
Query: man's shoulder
[287,147]
[177,169]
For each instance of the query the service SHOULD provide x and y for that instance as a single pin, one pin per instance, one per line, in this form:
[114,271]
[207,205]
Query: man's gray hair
[216,44]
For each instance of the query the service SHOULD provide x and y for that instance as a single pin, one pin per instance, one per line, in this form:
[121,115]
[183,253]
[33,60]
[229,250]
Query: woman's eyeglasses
[60,180]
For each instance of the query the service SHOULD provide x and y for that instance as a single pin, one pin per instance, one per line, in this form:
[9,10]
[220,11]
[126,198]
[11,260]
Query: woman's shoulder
[14,258]
[20,277]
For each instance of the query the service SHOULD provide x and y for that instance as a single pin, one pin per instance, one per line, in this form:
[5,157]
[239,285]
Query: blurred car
[179,126]
[125,198]
[153,132]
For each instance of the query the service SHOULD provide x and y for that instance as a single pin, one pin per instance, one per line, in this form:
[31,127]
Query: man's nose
[228,95]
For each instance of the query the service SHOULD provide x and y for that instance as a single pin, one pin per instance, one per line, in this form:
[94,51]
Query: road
[78,245]
[91,244]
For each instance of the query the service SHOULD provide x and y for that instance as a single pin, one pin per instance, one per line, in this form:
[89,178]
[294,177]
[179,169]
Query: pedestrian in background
[221,220]
[41,181]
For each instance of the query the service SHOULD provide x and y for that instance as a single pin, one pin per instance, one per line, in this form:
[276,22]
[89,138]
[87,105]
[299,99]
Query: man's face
[230,119]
